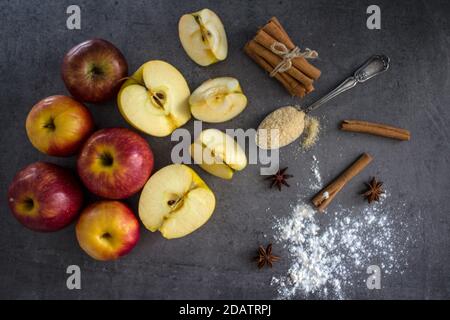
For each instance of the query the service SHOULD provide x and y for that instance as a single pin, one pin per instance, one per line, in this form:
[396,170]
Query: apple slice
[155,99]
[203,37]
[218,153]
[175,201]
[218,100]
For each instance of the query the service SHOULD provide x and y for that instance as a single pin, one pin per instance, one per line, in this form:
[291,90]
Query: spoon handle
[376,65]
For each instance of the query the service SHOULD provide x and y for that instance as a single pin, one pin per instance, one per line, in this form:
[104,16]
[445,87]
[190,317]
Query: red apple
[45,197]
[115,163]
[107,230]
[92,70]
[58,125]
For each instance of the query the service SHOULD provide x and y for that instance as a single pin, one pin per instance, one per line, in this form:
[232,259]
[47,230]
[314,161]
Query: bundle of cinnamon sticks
[271,47]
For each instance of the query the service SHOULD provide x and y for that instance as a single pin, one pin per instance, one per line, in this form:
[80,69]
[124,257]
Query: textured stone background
[215,261]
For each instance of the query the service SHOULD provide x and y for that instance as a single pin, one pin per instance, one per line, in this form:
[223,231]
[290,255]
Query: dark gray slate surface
[215,261]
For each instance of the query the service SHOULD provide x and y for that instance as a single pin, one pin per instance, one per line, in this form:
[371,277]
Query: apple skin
[93,70]
[115,163]
[107,230]
[59,125]
[45,197]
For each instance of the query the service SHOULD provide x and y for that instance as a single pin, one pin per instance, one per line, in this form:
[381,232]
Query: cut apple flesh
[195,44]
[142,96]
[210,35]
[194,211]
[218,100]
[219,169]
[175,201]
[159,99]
[203,37]
[218,154]
[155,99]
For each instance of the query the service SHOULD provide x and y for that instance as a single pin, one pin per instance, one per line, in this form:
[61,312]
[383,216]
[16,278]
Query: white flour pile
[326,261]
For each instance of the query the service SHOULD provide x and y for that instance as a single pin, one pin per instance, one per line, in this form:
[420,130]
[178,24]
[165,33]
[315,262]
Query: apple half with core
[93,70]
[155,99]
[175,201]
[203,37]
[218,153]
[218,100]
[115,163]
[59,125]
[107,230]
[45,197]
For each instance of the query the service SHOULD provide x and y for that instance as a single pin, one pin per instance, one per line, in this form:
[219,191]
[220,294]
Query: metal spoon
[374,66]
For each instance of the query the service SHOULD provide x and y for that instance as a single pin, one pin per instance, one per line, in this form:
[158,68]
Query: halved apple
[203,37]
[218,153]
[155,99]
[217,100]
[175,201]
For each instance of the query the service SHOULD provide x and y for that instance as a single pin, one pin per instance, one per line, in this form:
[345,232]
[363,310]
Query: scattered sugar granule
[312,130]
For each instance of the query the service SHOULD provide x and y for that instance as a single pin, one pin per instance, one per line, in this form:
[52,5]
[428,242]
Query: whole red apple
[58,125]
[92,70]
[107,230]
[45,197]
[115,163]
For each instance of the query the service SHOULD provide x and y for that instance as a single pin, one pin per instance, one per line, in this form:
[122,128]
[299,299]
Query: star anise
[265,256]
[279,179]
[374,190]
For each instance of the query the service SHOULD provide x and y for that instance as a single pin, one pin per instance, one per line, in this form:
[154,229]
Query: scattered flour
[317,183]
[326,261]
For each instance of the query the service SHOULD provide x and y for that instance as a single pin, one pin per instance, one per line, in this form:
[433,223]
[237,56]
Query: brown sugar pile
[280,128]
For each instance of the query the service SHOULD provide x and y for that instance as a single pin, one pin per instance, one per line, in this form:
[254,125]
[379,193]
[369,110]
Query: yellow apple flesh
[175,201]
[203,37]
[217,100]
[155,99]
[218,153]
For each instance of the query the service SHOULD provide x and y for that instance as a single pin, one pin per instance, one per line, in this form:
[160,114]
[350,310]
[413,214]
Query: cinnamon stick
[276,31]
[266,41]
[266,66]
[277,22]
[297,88]
[309,89]
[261,56]
[326,195]
[377,129]
[299,77]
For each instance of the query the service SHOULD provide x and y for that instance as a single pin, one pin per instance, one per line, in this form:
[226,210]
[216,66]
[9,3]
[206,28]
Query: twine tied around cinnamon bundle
[283,52]
[274,51]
